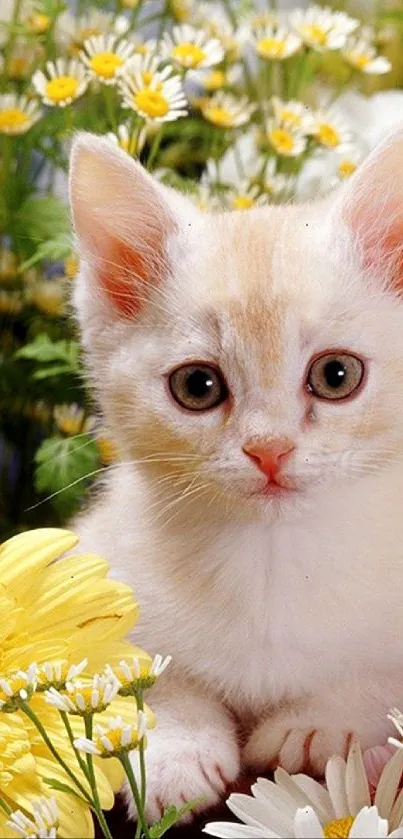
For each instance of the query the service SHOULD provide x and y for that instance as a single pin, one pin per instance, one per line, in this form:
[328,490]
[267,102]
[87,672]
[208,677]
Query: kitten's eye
[335,375]
[197,387]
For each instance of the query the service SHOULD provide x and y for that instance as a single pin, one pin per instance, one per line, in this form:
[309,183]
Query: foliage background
[51,446]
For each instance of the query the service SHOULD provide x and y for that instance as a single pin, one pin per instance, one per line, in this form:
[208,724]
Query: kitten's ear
[123,219]
[372,209]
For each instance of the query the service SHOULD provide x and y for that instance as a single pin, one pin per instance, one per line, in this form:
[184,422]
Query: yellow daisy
[361,55]
[66,80]
[191,48]
[227,111]
[156,95]
[181,10]
[76,610]
[39,23]
[275,43]
[245,196]
[17,114]
[105,57]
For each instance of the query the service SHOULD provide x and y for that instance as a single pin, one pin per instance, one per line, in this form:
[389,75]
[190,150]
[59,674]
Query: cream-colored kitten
[250,368]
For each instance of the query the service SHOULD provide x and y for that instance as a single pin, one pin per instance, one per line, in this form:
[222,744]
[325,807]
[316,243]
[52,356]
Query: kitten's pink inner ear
[122,223]
[373,210]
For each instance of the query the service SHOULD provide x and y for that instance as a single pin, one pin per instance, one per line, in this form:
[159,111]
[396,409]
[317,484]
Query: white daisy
[212,18]
[292,114]
[347,159]
[226,110]
[19,686]
[191,48]
[17,114]
[361,54]
[156,95]
[321,28]
[130,141]
[275,183]
[137,674]
[71,420]
[65,81]
[245,196]
[84,698]
[114,739]
[298,806]
[287,141]
[42,825]
[275,42]
[105,57]
[330,129]
[71,31]
[57,673]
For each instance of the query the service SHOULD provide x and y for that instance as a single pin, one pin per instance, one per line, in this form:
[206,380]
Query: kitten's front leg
[305,737]
[193,751]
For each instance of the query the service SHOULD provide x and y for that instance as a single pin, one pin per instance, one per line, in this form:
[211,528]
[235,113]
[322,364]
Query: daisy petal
[368,823]
[307,824]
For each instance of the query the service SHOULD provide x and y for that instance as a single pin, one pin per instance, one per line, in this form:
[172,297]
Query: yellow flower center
[151,102]
[270,48]
[71,267]
[105,64]
[358,59]
[338,828]
[346,168]
[16,684]
[314,33]
[219,116]
[242,202]
[188,54]
[215,80]
[282,140]
[147,77]
[115,737]
[13,121]
[39,23]
[61,89]
[328,135]
[107,451]
[291,117]
[18,67]
[130,4]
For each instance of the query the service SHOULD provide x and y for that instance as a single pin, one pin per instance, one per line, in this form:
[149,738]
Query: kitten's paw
[288,742]
[181,768]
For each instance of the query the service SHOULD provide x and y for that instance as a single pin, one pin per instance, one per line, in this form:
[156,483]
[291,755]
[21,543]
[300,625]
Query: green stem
[93,783]
[81,761]
[36,721]
[13,34]
[154,148]
[140,707]
[125,761]
[4,806]
[110,111]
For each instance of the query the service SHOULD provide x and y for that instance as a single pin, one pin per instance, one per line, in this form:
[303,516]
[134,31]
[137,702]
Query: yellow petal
[25,554]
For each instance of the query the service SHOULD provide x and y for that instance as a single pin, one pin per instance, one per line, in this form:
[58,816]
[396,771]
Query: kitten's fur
[284,617]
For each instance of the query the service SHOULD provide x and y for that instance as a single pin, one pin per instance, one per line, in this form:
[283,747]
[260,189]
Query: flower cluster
[218,98]
[52,709]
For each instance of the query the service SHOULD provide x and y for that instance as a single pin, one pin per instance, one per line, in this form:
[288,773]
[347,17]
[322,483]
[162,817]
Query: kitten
[250,368]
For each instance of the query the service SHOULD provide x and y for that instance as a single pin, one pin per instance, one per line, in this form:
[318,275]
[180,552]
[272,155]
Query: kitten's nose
[270,455]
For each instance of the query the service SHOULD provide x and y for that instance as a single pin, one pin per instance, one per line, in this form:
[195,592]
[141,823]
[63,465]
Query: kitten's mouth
[276,490]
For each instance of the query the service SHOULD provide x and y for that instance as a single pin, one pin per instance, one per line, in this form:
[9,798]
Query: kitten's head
[257,355]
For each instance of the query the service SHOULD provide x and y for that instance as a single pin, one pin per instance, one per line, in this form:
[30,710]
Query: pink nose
[270,455]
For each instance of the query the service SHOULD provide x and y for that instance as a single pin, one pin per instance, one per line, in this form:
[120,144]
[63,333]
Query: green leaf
[41,218]
[171,816]
[63,466]
[49,372]
[43,350]
[53,784]
[54,250]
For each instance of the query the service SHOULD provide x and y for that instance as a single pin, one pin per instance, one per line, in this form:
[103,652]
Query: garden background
[237,103]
